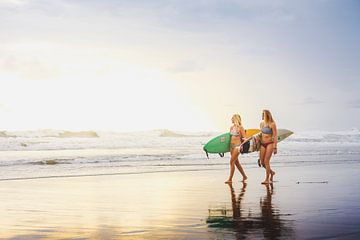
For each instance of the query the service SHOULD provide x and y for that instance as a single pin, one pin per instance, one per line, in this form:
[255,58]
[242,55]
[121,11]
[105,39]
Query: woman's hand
[275,150]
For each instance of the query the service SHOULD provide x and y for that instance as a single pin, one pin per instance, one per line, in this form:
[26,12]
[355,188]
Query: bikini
[266,130]
[234,133]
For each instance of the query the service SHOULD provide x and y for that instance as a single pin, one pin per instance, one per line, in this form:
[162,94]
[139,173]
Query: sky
[179,64]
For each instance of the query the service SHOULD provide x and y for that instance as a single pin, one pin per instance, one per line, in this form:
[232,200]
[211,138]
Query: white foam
[350,136]
[189,142]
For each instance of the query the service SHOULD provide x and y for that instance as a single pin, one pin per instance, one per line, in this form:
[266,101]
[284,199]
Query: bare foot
[272,173]
[259,163]
[228,182]
[266,182]
[244,178]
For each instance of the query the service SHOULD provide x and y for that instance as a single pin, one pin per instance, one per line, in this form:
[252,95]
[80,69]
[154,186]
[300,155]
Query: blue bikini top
[267,130]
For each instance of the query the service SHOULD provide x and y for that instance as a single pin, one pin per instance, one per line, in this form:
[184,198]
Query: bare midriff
[235,141]
[266,138]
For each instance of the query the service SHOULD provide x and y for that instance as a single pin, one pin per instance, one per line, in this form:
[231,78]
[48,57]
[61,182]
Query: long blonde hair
[237,120]
[268,119]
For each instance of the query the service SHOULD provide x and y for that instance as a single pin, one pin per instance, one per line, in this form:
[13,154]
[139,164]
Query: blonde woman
[268,143]
[237,133]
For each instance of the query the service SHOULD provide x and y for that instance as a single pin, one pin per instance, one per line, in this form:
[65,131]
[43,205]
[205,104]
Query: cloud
[12,2]
[29,67]
[355,103]
[4,107]
[309,101]
[186,66]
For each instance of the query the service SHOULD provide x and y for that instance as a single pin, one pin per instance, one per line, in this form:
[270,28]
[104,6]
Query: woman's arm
[275,136]
[260,134]
[243,134]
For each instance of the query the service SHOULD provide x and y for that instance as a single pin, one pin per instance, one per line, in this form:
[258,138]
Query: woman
[237,133]
[268,141]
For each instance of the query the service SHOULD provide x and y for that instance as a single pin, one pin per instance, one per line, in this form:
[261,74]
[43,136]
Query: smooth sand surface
[312,202]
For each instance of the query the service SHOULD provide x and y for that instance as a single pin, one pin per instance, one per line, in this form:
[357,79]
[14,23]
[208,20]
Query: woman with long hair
[237,133]
[268,141]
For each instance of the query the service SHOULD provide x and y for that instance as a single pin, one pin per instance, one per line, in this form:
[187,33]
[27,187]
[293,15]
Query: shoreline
[178,205]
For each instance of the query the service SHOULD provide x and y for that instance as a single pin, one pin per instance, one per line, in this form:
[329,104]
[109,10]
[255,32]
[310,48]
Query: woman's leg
[272,173]
[268,153]
[241,170]
[232,166]
[262,160]
[262,155]
[233,158]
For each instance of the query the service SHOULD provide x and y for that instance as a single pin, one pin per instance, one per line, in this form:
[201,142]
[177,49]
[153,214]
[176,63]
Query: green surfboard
[221,143]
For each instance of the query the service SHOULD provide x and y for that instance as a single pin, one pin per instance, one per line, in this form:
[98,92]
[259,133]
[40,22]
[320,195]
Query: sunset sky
[179,64]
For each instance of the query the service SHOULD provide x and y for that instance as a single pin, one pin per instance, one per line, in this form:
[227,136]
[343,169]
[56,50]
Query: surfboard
[221,143]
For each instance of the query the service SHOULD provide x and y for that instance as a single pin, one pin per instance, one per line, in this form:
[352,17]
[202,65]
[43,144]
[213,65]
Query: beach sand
[311,202]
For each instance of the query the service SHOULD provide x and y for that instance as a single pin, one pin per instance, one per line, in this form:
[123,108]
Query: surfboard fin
[222,154]
[207,154]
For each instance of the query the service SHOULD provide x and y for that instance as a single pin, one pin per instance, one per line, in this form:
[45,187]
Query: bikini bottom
[233,146]
[266,144]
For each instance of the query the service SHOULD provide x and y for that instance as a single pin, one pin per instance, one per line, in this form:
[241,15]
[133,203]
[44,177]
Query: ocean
[160,185]
[51,153]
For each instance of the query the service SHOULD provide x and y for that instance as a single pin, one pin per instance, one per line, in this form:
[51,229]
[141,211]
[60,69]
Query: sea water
[44,154]
[315,194]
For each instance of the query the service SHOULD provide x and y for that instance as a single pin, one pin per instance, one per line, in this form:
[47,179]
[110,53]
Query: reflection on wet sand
[267,223]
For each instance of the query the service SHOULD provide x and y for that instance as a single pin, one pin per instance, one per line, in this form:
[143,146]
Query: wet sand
[305,202]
